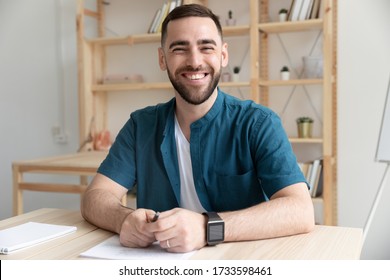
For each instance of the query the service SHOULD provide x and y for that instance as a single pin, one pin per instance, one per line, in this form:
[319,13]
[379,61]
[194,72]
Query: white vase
[230,21]
[236,77]
[226,77]
[285,75]
[282,17]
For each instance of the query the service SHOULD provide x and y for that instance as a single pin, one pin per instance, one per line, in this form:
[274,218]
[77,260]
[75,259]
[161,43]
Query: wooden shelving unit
[328,140]
[93,93]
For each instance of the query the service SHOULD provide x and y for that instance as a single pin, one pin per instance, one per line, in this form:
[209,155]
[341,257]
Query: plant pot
[282,17]
[285,75]
[236,77]
[230,21]
[226,77]
[305,129]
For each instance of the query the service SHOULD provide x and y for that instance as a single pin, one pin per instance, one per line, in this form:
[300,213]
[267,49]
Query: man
[203,151]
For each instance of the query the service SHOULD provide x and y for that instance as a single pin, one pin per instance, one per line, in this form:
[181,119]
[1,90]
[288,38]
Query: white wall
[363,74]
[32,102]
[32,92]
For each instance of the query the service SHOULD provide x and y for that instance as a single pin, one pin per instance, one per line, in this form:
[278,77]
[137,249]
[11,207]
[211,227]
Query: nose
[194,59]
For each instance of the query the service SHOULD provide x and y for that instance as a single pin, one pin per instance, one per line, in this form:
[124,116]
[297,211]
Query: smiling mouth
[197,76]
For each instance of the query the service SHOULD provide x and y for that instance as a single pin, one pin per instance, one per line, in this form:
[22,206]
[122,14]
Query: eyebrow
[186,43]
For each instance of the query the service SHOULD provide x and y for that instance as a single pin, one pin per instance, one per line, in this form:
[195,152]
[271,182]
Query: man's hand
[180,230]
[135,231]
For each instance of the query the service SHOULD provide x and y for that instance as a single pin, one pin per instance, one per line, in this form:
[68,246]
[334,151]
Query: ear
[224,55]
[161,59]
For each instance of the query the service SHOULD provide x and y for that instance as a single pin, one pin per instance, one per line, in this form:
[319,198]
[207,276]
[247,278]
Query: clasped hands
[177,230]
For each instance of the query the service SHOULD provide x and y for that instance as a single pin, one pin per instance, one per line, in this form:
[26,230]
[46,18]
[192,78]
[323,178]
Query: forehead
[192,29]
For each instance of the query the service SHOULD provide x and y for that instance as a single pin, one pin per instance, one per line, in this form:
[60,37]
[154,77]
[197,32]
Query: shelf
[239,30]
[126,40]
[291,26]
[234,84]
[228,31]
[297,82]
[131,86]
[306,140]
[152,86]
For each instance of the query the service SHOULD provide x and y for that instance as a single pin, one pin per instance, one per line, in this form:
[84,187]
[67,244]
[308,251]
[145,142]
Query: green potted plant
[285,73]
[230,21]
[236,71]
[305,127]
[283,14]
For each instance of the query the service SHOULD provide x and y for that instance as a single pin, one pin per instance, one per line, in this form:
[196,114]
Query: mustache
[189,68]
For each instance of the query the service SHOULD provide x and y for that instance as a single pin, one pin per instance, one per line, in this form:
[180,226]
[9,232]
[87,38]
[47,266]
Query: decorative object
[282,15]
[230,21]
[236,71]
[226,77]
[285,73]
[312,67]
[123,78]
[305,127]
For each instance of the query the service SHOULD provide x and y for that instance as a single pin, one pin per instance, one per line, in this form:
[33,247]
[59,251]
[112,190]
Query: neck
[187,113]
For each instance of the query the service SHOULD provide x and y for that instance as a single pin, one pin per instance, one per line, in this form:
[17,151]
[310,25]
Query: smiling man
[215,167]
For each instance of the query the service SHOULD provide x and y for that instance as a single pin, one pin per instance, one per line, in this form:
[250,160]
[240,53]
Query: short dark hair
[190,10]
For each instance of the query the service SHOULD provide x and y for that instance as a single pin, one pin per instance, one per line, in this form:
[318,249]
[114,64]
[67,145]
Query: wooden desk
[79,164]
[325,242]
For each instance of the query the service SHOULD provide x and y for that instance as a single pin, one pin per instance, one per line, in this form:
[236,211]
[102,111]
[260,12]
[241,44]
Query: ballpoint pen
[155,218]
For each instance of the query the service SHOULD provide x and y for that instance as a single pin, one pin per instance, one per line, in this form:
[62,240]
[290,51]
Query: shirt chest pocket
[234,192]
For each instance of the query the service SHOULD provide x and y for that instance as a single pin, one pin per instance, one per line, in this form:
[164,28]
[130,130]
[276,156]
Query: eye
[178,50]
[207,48]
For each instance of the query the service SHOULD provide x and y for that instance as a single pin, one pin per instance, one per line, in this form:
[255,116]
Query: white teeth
[196,76]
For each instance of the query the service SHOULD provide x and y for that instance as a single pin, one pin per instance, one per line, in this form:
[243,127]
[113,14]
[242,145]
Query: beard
[192,95]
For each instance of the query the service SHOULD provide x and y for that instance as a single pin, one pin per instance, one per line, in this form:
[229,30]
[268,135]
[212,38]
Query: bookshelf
[93,93]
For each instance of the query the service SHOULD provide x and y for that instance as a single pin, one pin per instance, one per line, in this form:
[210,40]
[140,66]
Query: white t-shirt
[188,196]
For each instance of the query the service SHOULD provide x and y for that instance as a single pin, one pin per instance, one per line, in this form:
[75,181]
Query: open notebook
[29,234]
[112,249]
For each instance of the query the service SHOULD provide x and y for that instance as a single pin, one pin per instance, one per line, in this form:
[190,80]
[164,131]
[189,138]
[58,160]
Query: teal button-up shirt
[239,151]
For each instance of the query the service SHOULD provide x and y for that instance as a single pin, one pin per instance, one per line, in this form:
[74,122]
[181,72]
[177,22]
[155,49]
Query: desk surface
[325,242]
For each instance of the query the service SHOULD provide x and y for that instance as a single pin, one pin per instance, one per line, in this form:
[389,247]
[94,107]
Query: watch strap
[213,216]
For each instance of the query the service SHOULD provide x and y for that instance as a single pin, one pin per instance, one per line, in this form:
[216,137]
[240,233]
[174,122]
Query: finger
[133,232]
[168,244]
[132,241]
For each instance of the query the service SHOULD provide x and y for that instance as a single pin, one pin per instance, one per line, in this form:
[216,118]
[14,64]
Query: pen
[156,215]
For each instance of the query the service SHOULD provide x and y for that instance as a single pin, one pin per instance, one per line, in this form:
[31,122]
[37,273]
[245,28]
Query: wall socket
[59,135]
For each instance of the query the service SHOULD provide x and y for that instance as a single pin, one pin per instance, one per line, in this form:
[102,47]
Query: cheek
[216,62]
[174,62]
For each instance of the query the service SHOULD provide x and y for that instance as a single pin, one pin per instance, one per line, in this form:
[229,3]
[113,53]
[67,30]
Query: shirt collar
[213,112]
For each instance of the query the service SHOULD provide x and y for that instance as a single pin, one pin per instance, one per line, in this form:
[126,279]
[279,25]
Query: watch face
[216,232]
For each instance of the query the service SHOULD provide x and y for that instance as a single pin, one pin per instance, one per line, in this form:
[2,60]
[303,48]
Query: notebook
[30,234]
[112,249]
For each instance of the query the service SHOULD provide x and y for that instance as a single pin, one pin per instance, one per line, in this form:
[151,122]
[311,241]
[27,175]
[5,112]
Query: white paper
[29,234]
[113,250]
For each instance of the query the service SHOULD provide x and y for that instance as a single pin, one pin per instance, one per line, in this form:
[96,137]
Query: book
[164,13]
[304,168]
[309,9]
[317,181]
[295,10]
[313,175]
[320,184]
[30,234]
[154,21]
[172,5]
[315,10]
[304,9]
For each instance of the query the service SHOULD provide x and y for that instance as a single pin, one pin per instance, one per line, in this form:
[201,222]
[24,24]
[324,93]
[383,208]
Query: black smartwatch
[215,229]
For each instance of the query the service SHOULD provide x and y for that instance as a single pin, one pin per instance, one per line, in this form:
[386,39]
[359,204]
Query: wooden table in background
[78,164]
